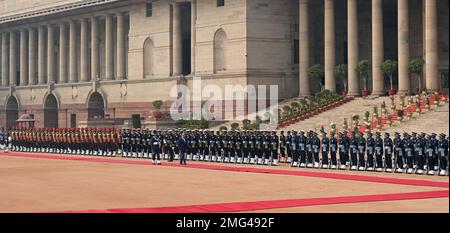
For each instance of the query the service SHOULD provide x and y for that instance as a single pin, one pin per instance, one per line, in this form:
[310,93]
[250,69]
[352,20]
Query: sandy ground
[47,185]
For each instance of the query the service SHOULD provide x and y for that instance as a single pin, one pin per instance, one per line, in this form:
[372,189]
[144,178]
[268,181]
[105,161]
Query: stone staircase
[337,115]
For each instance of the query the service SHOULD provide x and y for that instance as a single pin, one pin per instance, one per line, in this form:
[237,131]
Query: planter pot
[365,93]
[392,92]
[157,114]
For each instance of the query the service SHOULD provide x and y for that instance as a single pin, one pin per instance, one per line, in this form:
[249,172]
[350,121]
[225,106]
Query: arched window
[96,107]
[51,112]
[148,57]
[220,51]
[12,111]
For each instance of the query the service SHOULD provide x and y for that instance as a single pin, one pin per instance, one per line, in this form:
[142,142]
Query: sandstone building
[67,61]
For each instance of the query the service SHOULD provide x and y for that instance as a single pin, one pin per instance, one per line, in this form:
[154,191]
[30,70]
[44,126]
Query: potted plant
[389,67]
[157,105]
[341,71]
[383,109]
[234,126]
[436,100]
[389,120]
[400,114]
[427,104]
[375,112]
[362,69]
[368,127]
[333,128]
[246,124]
[415,66]
[223,128]
[345,125]
[379,125]
[418,107]
[366,116]
[355,121]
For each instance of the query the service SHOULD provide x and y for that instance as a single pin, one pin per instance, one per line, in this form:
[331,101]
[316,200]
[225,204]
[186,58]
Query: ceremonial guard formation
[415,153]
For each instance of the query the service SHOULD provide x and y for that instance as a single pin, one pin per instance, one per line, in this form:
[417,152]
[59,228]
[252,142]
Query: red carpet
[399,181]
[275,204]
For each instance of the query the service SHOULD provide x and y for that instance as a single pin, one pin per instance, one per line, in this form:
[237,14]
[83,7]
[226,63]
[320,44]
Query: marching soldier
[388,149]
[443,154]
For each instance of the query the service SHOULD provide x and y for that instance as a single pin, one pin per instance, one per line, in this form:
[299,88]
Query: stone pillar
[12,58]
[84,75]
[353,47]
[42,79]
[330,46]
[304,48]
[377,48]
[431,46]
[32,57]
[73,52]
[51,68]
[177,41]
[193,33]
[23,58]
[94,49]
[403,47]
[109,56]
[62,53]
[5,59]
[121,74]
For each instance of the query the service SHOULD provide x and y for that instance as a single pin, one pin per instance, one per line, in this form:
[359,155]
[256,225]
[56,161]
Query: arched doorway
[12,111]
[51,112]
[96,107]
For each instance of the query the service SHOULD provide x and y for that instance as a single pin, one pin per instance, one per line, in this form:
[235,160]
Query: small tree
[234,126]
[341,71]
[389,67]
[415,66]
[362,69]
[316,72]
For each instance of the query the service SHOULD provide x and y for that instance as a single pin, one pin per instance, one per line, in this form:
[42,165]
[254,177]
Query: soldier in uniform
[259,147]
[370,151]
[274,141]
[342,151]
[354,151]
[245,147]
[238,147]
[232,146]
[435,143]
[300,149]
[315,142]
[309,150]
[420,145]
[266,148]
[379,152]
[252,147]
[325,150]
[288,147]
[361,152]
[388,149]
[408,146]
[443,154]
[333,150]
[283,141]
[398,152]
[156,150]
[169,144]
[218,147]
[293,148]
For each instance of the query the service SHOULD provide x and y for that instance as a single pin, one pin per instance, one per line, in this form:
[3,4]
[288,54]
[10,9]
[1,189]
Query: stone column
[32,57]
[12,58]
[330,46]
[62,53]
[42,79]
[304,48]
[94,49]
[109,56]
[177,41]
[23,58]
[73,52]
[51,68]
[403,47]
[5,59]
[353,47]
[377,48]
[84,75]
[431,46]
[121,74]
[193,33]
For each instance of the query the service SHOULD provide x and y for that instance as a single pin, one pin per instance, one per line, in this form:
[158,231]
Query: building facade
[72,61]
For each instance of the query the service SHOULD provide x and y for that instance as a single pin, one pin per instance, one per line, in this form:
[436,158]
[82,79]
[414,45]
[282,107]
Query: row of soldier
[415,153]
